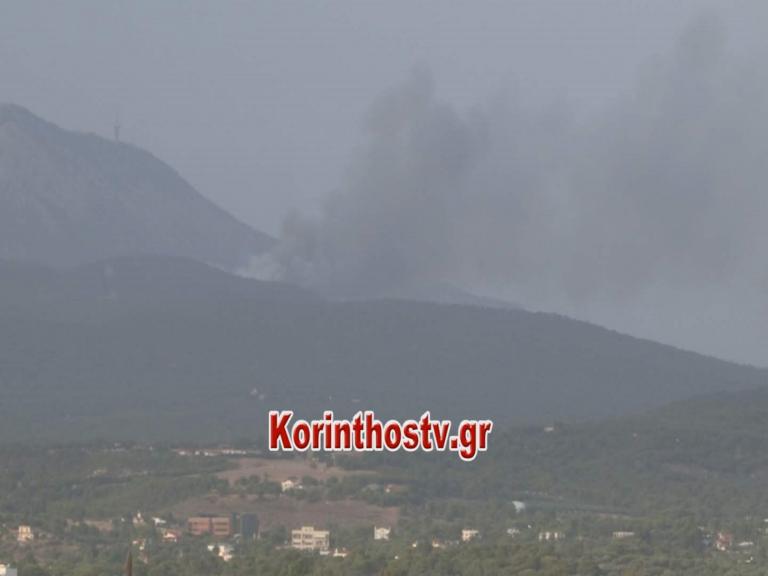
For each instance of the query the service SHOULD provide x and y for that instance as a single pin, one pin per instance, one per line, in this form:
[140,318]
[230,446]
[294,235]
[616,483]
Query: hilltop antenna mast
[117,127]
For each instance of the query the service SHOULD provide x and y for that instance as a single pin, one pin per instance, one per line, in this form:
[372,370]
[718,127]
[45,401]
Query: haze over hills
[115,327]
[116,355]
[70,198]
[143,281]
[743,412]
[704,457]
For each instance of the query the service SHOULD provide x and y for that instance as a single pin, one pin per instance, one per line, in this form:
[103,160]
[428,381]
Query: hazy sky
[259,104]
[602,159]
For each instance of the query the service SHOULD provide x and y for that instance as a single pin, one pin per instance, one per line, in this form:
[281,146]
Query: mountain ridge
[70,197]
[133,362]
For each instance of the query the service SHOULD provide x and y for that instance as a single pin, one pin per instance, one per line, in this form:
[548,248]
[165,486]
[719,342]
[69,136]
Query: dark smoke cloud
[656,203]
[398,217]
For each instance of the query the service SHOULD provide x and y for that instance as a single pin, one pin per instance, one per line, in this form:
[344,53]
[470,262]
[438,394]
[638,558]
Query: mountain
[703,459]
[742,412]
[136,282]
[69,198]
[436,292]
[158,349]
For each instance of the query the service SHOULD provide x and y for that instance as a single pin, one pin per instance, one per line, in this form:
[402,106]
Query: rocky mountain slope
[69,198]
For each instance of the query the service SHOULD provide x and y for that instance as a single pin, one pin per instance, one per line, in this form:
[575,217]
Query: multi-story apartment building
[307,538]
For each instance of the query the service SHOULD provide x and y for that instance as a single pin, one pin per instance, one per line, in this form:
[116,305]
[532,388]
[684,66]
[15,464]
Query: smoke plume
[616,215]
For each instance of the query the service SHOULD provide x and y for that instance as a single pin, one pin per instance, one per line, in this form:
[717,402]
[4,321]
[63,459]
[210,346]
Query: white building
[307,538]
[381,533]
[290,484]
[25,534]
[469,534]
[170,536]
[551,536]
[224,551]
[622,535]
[7,571]
[519,506]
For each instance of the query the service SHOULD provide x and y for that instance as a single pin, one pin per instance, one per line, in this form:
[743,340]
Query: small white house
[381,532]
[6,570]
[469,534]
[25,534]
